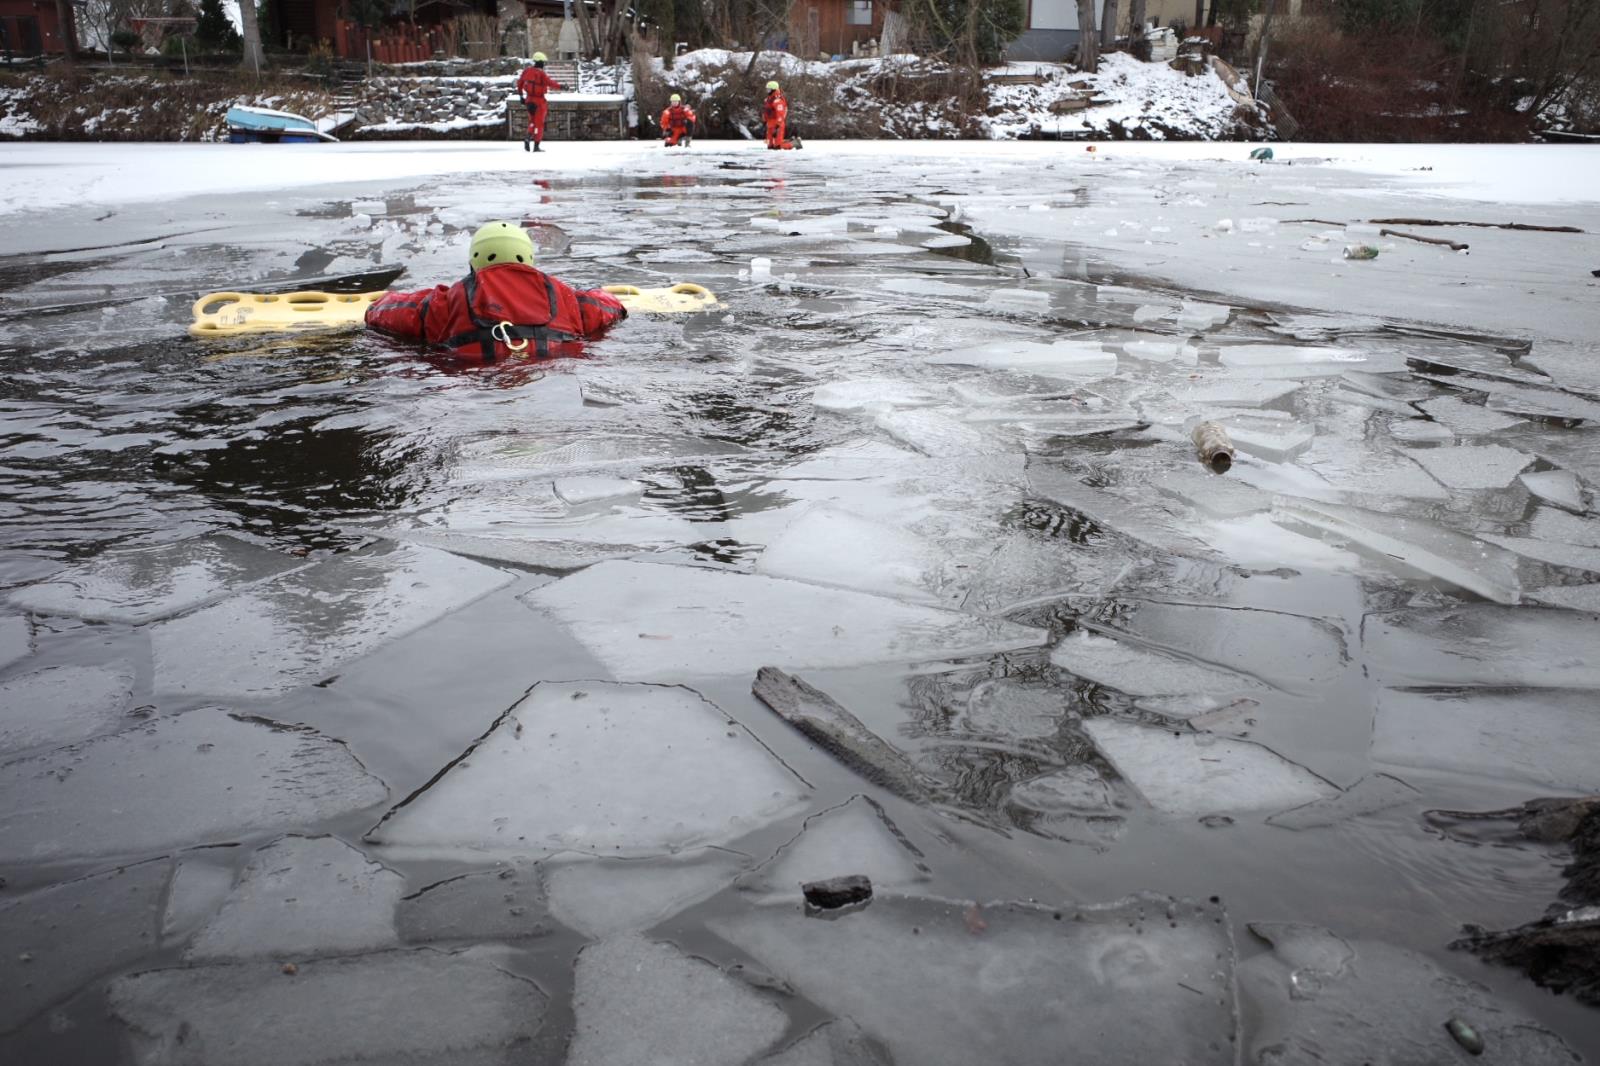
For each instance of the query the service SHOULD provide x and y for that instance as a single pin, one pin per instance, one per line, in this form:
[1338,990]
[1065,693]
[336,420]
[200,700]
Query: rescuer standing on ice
[775,113]
[677,122]
[532,86]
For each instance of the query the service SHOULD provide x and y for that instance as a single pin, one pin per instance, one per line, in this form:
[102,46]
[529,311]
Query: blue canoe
[260,125]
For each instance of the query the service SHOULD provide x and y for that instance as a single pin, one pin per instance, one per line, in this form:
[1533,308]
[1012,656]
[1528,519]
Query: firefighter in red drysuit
[775,113]
[505,308]
[677,122]
[532,84]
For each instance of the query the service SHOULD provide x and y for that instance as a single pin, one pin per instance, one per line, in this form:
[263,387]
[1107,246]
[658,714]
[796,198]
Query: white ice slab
[1558,487]
[1003,707]
[57,939]
[202,776]
[1073,790]
[1200,316]
[837,1043]
[1545,738]
[1010,982]
[637,1001]
[623,770]
[865,394]
[580,489]
[1234,392]
[1063,359]
[422,1007]
[648,622]
[200,884]
[828,546]
[301,627]
[143,584]
[16,639]
[1488,466]
[1320,998]
[1417,546]
[1556,553]
[497,904]
[1196,774]
[1467,419]
[63,705]
[1480,644]
[500,458]
[938,435]
[1175,351]
[1270,435]
[1555,526]
[1575,597]
[853,838]
[1420,431]
[304,896]
[1140,671]
[1289,356]
[1371,794]
[603,897]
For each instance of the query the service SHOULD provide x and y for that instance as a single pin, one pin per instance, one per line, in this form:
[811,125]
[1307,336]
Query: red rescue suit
[775,113]
[677,122]
[509,310]
[531,86]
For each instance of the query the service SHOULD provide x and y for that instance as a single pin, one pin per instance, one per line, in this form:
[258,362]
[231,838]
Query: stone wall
[599,119]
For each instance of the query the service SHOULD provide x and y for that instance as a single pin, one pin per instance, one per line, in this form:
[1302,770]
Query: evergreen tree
[215,30]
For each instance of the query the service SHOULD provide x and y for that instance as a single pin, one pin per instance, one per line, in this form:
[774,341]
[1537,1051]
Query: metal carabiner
[502,333]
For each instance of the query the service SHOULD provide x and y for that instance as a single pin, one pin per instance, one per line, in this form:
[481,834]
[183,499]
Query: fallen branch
[1315,221]
[1479,225]
[1454,246]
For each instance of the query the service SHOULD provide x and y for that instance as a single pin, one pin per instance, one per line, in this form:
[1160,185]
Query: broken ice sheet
[637,1001]
[1062,359]
[16,639]
[837,1043]
[419,1006]
[1173,351]
[828,546]
[135,585]
[650,622]
[1420,431]
[1140,671]
[58,938]
[581,489]
[63,705]
[503,904]
[1575,597]
[602,897]
[626,770]
[1465,418]
[1553,525]
[1466,466]
[1074,789]
[1371,794]
[1007,708]
[938,435]
[1031,982]
[1270,435]
[861,394]
[1302,360]
[1558,487]
[856,837]
[1196,773]
[304,896]
[532,456]
[1480,644]
[1321,998]
[1417,545]
[299,628]
[200,776]
[201,882]
[1542,737]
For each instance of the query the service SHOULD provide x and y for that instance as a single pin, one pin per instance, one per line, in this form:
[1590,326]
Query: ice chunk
[1073,789]
[1489,466]
[1400,388]
[1558,487]
[303,626]
[649,622]
[1321,998]
[143,584]
[1029,984]
[603,897]
[1273,436]
[937,435]
[1004,707]
[1146,521]
[639,1001]
[1162,351]
[1545,738]
[16,639]
[856,837]
[304,896]
[1419,431]
[1234,392]
[1576,597]
[1536,401]
[63,705]
[1465,418]
[1288,356]
[1200,316]
[504,904]
[1553,552]
[1197,774]
[200,884]
[579,489]
[1369,472]
[837,1043]
[601,768]
[1480,644]
[1063,359]
[827,546]
[1026,301]
[200,776]
[420,1006]
[1416,545]
[546,554]
[1371,794]
[56,939]
[1217,497]
[1140,671]
[864,394]
[500,457]
[1568,529]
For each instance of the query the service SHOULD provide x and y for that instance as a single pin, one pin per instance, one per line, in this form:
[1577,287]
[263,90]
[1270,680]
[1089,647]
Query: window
[860,13]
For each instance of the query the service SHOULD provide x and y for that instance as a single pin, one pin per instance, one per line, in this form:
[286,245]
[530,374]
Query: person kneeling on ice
[775,113]
[532,85]
[504,308]
[677,122]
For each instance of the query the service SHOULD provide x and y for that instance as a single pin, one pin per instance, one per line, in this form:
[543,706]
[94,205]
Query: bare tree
[67,31]
[1088,43]
[251,32]
[103,18]
[1108,32]
[1136,18]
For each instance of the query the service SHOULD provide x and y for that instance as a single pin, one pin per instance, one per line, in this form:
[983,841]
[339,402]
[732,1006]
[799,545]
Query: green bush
[215,30]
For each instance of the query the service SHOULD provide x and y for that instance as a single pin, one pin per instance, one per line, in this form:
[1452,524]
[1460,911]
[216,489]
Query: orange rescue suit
[677,121]
[775,113]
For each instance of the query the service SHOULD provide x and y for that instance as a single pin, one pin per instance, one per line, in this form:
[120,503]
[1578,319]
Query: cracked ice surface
[200,776]
[854,838]
[63,705]
[1476,644]
[597,767]
[648,622]
[298,628]
[976,993]
[602,897]
[418,1006]
[1545,737]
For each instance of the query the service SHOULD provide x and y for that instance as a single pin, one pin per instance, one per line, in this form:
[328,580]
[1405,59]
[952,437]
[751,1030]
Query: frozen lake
[359,707]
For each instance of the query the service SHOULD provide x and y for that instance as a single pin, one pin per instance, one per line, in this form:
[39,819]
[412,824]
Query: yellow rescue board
[220,314]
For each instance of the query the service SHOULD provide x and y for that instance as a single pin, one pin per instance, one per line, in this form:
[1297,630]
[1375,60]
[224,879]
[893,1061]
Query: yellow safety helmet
[772,86]
[677,99]
[538,57]
[500,242]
